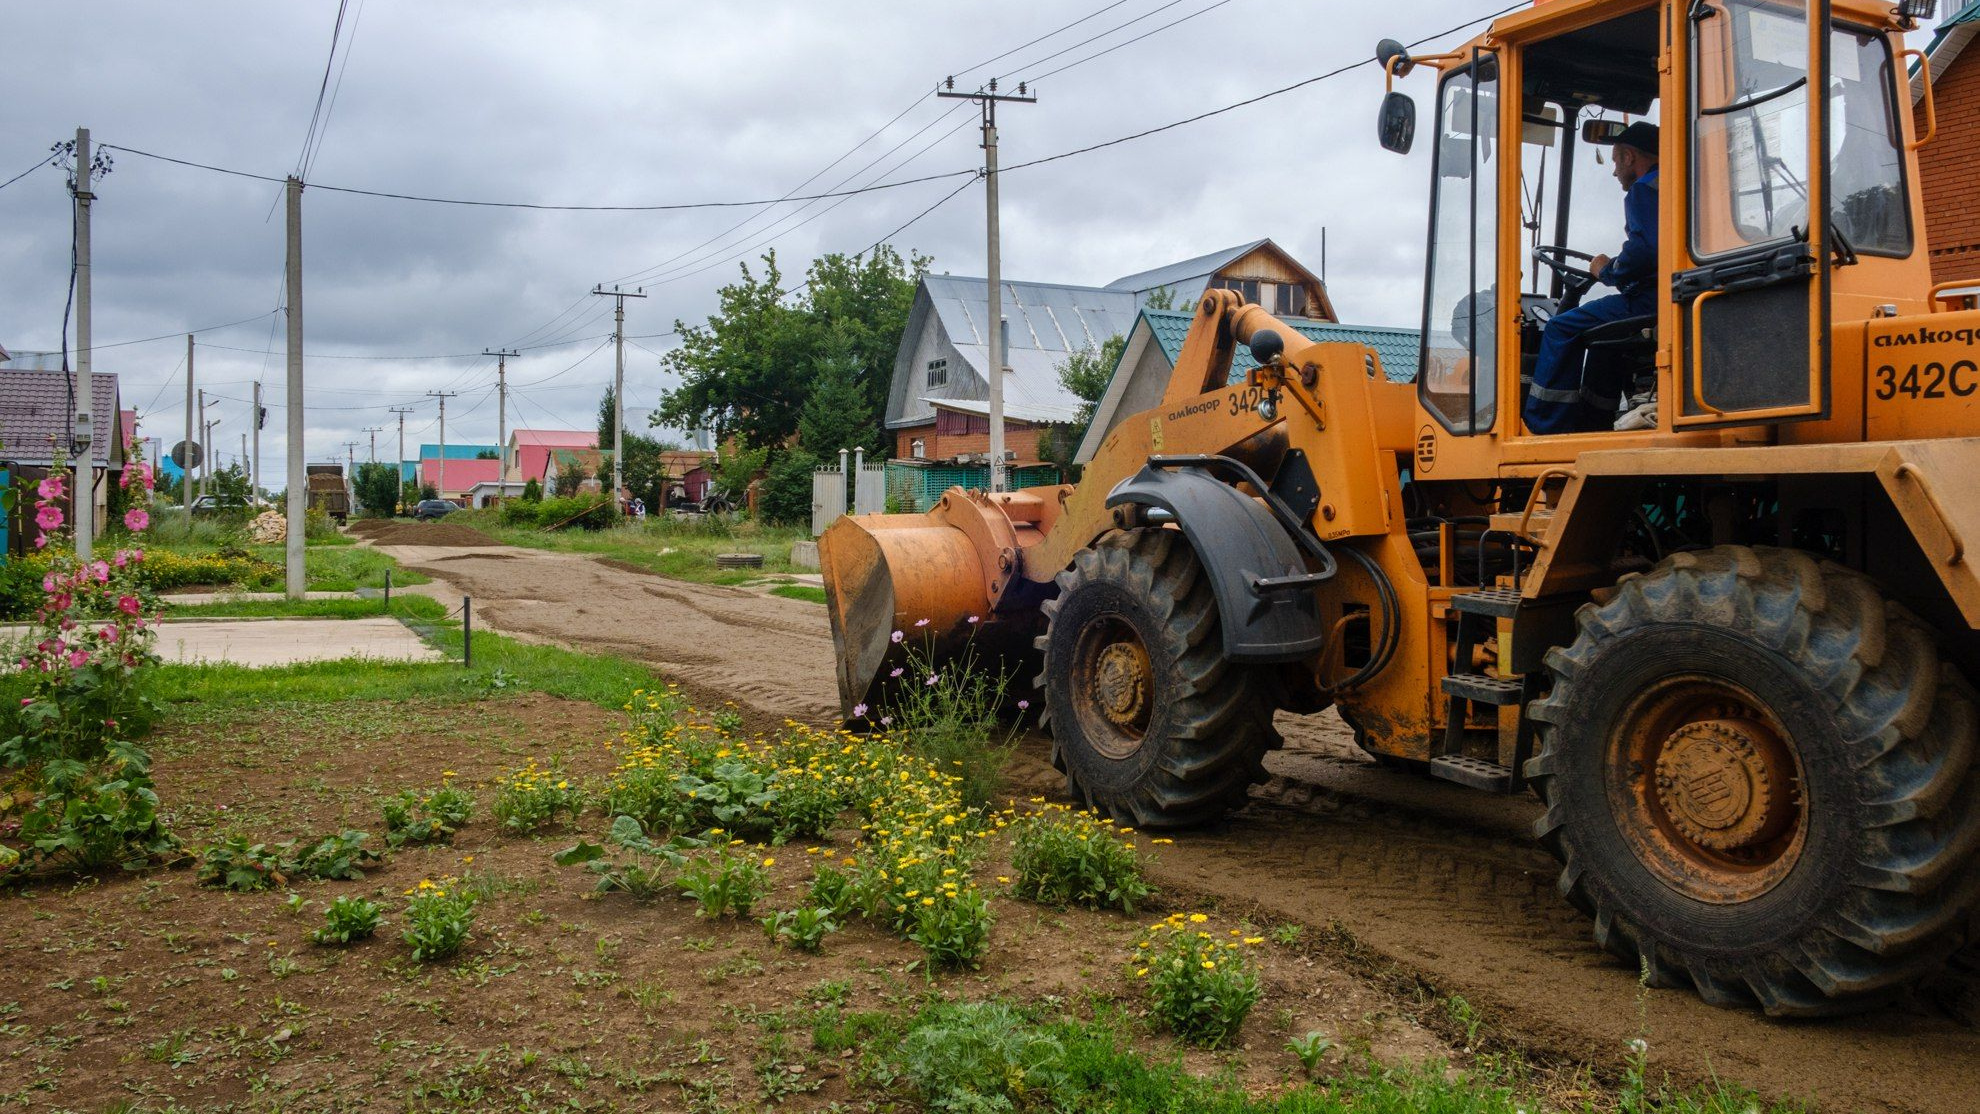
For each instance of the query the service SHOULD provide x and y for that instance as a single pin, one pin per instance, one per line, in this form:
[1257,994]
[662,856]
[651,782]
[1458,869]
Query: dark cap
[1640,135]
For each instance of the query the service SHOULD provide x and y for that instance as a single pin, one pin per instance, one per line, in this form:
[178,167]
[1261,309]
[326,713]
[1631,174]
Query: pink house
[528,452]
[461,475]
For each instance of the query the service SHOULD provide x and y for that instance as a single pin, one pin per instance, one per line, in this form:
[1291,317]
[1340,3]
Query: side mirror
[1604,132]
[1397,124]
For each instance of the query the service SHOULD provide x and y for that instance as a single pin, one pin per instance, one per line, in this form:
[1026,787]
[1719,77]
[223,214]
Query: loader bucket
[888,572]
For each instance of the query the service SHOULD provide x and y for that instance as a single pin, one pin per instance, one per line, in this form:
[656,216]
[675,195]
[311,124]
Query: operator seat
[1621,364]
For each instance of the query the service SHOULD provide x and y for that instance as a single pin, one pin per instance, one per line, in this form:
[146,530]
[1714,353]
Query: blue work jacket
[1634,269]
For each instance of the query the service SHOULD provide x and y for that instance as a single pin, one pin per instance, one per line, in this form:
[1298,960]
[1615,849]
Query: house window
[938,372]
[1291,300]
[1246,288]
[917,449]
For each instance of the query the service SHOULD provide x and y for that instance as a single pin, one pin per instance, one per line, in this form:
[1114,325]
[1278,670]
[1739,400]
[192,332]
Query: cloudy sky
[621,103]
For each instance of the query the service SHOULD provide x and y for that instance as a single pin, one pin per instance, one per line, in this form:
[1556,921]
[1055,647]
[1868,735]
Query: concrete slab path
[265,642]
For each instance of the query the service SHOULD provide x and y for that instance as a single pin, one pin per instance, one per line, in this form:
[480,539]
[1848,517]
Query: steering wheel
[1575,281]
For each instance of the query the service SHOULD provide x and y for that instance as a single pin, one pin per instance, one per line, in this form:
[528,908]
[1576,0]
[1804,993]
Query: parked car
[214,504]
[430,509]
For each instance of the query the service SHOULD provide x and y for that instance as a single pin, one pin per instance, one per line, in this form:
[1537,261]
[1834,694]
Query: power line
[657,208]
[46,160]
[1039,39]
[1127,42]
[322,90]
[338,87]
[183,332]
[1333,73]
[1096,38]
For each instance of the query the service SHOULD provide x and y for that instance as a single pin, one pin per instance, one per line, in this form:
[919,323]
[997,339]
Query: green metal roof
[1398,349]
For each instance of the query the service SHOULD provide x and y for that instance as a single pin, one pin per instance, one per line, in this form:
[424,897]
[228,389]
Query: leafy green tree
[532,491]
[1087,372]
[735,470]
[409,493]
[571,474]
[786,495]
[1162,297]
[487,454]
[230,486]
[749,370]
[428,491]
[377,487]
[838,415]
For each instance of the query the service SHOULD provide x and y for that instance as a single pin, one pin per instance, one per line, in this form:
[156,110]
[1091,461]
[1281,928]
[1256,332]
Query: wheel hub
[1120,684]
[1718,786]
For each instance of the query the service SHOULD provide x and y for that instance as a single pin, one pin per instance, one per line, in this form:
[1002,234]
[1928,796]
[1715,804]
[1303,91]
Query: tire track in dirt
[1442,882]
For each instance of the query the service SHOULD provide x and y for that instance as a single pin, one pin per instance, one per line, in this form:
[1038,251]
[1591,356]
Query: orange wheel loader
[1724,626]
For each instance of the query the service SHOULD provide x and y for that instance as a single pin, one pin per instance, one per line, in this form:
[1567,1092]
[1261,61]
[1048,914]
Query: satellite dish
[186,455]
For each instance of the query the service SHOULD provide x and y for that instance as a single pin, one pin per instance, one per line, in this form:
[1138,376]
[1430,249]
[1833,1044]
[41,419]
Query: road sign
[186,454]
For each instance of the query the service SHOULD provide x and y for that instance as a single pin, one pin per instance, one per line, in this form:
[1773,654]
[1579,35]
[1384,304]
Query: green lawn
[799,592]
[682,549]
[403,606]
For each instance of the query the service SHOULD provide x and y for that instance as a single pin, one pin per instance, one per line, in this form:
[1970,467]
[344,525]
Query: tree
[377,487]
[1162,297]
[748,372]
[838,415]
[533,491]
[571,474]
[1087,372]
[409,493]
[428,491]
[487,454]
[230,486]
[607,411]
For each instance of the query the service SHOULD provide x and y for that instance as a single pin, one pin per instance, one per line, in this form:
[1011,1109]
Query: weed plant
[438,918]
[949,715]
[236,864]
[803,928]
[348,920]
[726,882]
[427,815]
[1062,857]
[532,797]
[1200,987]
[643,869]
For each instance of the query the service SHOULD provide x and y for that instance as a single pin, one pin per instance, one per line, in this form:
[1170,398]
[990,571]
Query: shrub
[786,494]
[532,797]
[532,491]
[1062,857]
[729,881]
[426,816]
[438,918]
[349,919]
[952,925]
[1200,987]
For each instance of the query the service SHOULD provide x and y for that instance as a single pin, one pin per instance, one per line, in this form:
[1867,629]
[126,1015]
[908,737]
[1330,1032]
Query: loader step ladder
[1478,617]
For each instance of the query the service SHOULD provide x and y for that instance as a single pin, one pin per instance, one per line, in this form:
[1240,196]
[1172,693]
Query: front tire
[1150,723]
[1760,782]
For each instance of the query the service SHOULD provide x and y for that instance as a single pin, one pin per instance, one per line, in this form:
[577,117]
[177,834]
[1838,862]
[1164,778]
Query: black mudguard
[1238,542]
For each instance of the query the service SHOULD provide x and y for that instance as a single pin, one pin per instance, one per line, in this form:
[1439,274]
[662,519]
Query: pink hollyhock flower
[41,541]
[136,519]
[50,488]
[121,559]
[61,601]
[48,518]
[127,604]
[109,634]
[48,583]
[78,659]
[100,570]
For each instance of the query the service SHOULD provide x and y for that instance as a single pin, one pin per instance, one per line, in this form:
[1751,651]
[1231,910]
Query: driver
[1560,401]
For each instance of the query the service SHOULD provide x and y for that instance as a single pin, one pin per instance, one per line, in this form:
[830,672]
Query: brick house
[937,408]
[1945,165]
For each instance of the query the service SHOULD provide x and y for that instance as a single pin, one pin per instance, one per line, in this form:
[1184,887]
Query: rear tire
[1760,782]
[1150,724]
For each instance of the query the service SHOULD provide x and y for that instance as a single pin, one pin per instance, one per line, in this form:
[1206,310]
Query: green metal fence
[917,487]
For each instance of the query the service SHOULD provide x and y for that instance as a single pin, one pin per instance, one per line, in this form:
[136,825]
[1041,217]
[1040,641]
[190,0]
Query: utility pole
[297,580]
[185,466]
[618,383]
[440,483]
[205,450]
[374,430]
[986,100]
[254,462]
[501,410]
[350,458]
[82,503]
[244,467]
[399,465]
[212,457]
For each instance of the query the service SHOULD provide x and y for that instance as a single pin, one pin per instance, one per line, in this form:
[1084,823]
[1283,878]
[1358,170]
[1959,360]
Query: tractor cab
[1730,325]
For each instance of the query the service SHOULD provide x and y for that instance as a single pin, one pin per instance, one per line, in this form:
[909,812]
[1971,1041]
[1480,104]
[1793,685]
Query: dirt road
[1440,881]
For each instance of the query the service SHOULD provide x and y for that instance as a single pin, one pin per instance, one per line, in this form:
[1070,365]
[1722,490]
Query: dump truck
[1732,649]
[329,491]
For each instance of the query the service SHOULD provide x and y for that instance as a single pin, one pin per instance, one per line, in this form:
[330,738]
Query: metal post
[185,466]
[399,465]
[82,502]
[388,587]
[298,478]
[467,631]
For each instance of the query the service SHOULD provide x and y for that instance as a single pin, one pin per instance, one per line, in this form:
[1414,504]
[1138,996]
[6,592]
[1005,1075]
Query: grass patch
[344,567]
[799,592]
[500,664]
[684,549]
[423,608]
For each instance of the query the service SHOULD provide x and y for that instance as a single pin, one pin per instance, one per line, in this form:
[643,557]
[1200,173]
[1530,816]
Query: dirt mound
[386,532]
